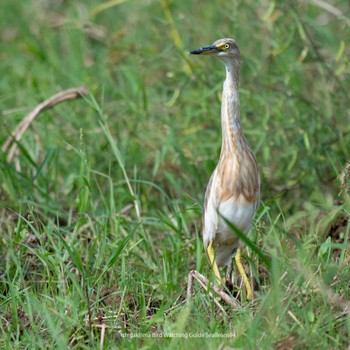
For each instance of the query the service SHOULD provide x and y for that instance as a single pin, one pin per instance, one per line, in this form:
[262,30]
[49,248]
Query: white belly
[236,210]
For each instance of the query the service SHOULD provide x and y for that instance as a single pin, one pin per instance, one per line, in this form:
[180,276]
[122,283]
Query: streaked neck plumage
[230,115]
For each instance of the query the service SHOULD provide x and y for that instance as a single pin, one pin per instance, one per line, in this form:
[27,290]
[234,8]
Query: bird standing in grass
[233,190]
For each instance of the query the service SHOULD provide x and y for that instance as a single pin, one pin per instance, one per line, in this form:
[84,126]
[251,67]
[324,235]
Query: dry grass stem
[18,132]
[203,281]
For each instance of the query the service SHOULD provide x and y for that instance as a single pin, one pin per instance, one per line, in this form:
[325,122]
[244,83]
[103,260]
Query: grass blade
[252,246]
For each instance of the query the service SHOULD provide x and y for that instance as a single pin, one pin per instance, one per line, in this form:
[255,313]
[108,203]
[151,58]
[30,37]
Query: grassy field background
[101,208]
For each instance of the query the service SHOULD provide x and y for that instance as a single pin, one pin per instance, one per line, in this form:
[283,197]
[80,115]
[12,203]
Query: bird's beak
[208,50]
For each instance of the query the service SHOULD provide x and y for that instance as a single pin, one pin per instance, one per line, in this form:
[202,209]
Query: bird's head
[222,48]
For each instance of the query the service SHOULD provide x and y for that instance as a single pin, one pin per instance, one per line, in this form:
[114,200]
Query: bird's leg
[211,255]
[243,274]
[252,280]
[229,274]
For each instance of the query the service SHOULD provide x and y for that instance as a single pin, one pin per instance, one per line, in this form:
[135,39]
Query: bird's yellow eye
[226,46]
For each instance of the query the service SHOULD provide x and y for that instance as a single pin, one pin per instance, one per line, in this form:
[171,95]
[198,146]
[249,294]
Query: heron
[233,191]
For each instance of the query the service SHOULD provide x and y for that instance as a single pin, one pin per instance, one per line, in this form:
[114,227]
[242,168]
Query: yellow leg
[211,255]
[243,274]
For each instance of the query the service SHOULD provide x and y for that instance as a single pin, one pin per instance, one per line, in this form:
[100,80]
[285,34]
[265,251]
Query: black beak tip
[209,49]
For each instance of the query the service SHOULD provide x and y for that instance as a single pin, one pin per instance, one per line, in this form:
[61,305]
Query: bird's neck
[230,115]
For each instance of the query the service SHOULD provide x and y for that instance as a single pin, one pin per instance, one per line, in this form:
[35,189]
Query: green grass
[101,210]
